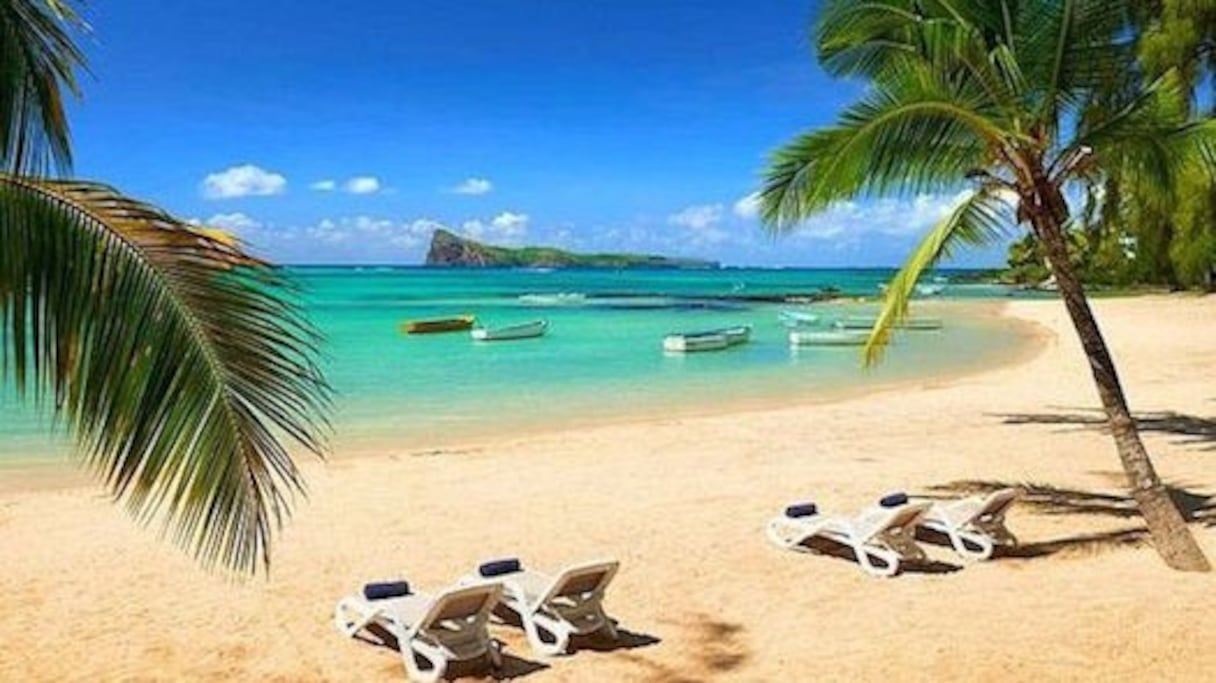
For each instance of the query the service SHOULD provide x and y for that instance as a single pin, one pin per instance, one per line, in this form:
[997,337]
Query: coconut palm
[182,366]
[1014,98]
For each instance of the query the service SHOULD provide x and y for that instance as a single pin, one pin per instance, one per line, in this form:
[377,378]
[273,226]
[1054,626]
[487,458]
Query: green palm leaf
[38,62]
[981,219]
[182,366]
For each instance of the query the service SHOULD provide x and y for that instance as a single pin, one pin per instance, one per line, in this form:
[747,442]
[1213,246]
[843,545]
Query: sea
[602,359]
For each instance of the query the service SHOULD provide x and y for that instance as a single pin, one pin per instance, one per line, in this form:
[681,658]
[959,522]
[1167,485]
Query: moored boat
[528,330]
[866,323]
[708,340]
[434,325]
[558,299]
[827,337]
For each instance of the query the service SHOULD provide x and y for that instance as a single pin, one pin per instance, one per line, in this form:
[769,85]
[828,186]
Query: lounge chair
[974,525]
[430,631]
[551,609]
[881,536]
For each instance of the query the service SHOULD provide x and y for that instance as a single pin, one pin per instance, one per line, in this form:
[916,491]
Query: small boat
[434,325]
[709,340]
[558,299]
[528,330]
[866,323]
[797,318]
[828,338]
[930,290]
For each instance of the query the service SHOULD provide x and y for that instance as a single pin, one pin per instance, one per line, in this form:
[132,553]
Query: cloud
[474,186]
[235,222]
[697,217]
[890,217]
[243,181]
[747,207]
[505,228]
[324,186]
[364,184]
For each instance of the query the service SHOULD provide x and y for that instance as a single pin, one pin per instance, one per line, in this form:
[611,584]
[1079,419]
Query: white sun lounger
[975,525]
[881,537]
[450,626]
[551,609]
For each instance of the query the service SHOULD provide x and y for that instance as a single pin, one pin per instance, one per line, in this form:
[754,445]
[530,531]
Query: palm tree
[181,365]
[1004,95]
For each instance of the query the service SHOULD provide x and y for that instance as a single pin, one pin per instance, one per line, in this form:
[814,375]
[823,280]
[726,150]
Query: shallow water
[601,360]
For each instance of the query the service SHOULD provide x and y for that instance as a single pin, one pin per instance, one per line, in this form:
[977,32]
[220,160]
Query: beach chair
[551,609]
[881,536]
[974,525]
[431,631]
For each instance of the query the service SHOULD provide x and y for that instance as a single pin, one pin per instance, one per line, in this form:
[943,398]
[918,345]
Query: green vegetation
[448,249]
[1024,100]
[180,364]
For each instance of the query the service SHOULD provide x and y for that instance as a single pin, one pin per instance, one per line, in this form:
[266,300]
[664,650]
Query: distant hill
[448,249]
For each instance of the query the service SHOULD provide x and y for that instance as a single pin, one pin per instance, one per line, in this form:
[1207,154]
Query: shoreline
[50,474]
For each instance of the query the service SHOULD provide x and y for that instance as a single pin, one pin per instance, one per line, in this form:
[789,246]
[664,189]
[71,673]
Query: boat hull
[909,324]
[828,338]
[438,325]
[530,330]
[685,343]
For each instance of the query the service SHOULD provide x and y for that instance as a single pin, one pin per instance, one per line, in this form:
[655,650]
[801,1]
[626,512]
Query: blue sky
[329,132]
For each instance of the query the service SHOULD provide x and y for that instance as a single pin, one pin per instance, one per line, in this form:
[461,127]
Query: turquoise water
[601,360]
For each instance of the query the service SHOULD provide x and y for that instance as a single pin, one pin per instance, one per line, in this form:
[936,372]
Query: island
[451,250]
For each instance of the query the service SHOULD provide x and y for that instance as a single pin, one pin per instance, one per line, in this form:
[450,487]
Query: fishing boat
[433,325]
[797,318]
[828,337]
[708,340]
[528,330]
[866,323]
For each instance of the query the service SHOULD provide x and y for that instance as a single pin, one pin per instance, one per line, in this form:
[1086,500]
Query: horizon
[573,128]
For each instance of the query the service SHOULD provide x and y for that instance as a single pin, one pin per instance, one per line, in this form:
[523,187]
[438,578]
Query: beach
[682,503]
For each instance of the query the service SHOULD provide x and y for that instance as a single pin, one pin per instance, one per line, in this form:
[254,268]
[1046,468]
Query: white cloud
[697,217]
[505,228]
[364,184]
[324,186]
[474,186]
[243,181]
[890,217]
[235,222]
[511,222]
[748,207]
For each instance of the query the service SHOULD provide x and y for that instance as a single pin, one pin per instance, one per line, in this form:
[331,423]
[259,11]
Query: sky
[326,132]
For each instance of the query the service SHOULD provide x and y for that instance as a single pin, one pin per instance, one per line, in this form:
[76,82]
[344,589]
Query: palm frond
[182,366]
[981,219]
[919,134]
[39,61]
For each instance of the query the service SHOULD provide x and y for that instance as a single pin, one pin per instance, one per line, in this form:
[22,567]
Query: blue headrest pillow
[499,567]
[893,500]
[388,589]
[801,510]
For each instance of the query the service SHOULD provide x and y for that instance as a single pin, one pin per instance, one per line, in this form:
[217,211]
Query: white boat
[558,299]
[930,290]
[682,343]
[527,330]
[866,323]
[828,338]
[797,318]
[708,340]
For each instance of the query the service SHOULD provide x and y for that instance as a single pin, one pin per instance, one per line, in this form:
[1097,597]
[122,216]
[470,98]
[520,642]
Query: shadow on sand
[719,650]
[1053,500]
[1194,430]
[512,666]
[826,547]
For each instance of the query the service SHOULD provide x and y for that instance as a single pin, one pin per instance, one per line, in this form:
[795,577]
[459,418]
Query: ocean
[602,359]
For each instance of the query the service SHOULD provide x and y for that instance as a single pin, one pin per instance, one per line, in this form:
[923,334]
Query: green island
[451,250]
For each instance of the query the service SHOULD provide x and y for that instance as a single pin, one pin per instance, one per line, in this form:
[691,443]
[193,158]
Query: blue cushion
[499,567]
[801,510]
[893,500]
[388,589]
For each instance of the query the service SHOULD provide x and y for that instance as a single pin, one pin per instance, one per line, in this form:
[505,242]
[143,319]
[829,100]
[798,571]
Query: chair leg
[438,664]
[887,566]
[973,546]
[534,629]
[342,621]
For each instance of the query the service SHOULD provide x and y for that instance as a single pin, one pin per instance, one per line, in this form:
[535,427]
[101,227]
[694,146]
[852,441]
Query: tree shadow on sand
[1194,430]
[719,649]
[1046,499]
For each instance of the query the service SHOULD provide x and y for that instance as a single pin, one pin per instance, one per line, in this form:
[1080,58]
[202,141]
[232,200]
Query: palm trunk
[1166,526]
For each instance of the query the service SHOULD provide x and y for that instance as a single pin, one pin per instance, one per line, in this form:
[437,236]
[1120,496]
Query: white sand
[86,595]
